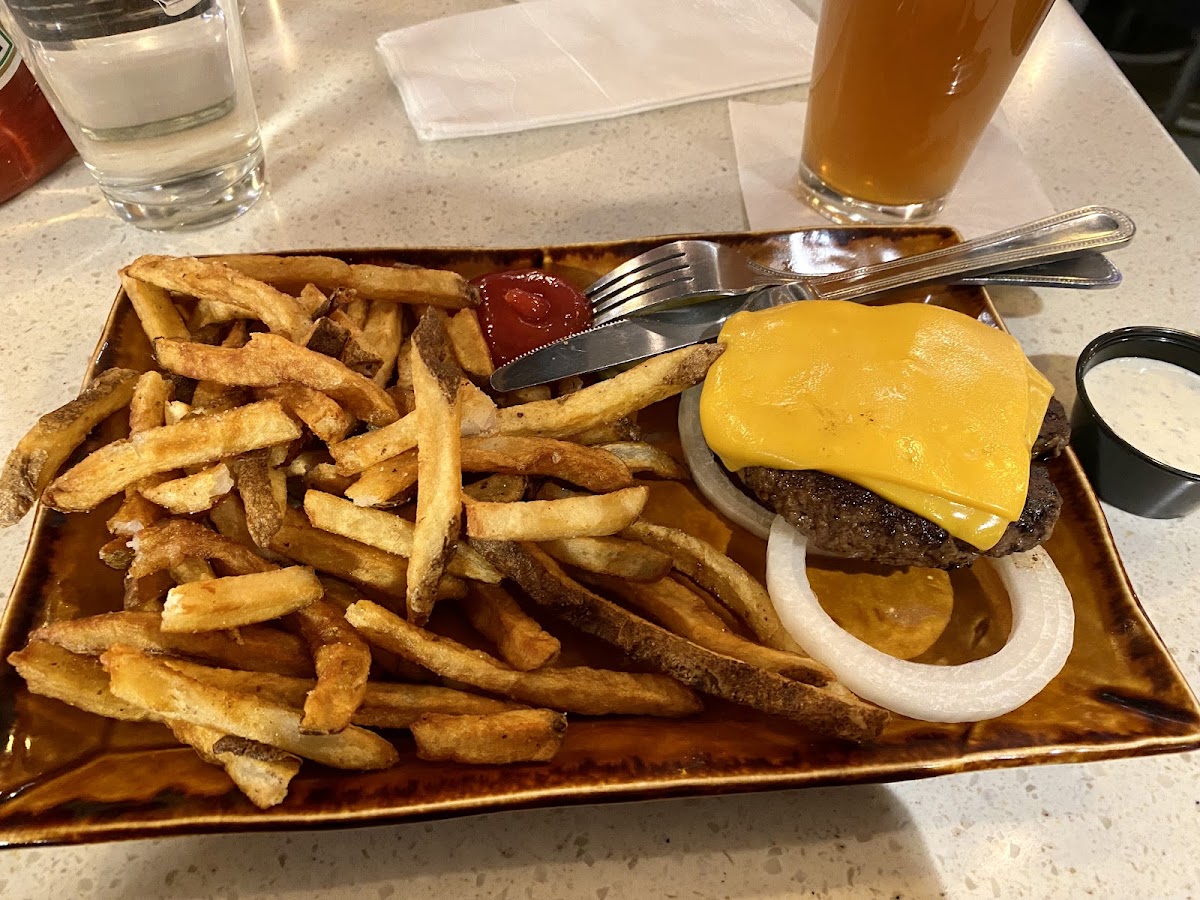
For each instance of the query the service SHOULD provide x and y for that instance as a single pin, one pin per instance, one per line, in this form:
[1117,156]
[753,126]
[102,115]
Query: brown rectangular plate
[67,776]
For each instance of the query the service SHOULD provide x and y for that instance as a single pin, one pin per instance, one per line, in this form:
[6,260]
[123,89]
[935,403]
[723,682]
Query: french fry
[191,493]
[211,396]
[614,432]
[406,284]
[36,459]
[682,611]
[148,403]
[146,594]
[262,508]
[646,383]
[193,442]
[169,544]
[384,705]
[343,663]
[436,378]
[237,600]
[359,453]
[383,332]
[261,772]
[537,393]
[594,469]
[732,585]
[387,532]
[522,642]
[498,488]
[568,385]
[402,391]
[357,355]
[192,570]
[117,554]
[257,648]
[134,514]
[548,520]
[639,457]
[207,280]
[76,680]
[829,710]
[610,556]
[470,347]
[141,679]
[320,412]
[524,735]
[154,309]
[355,562]
[313,299]
[267,360]
[326,337]
[578,689]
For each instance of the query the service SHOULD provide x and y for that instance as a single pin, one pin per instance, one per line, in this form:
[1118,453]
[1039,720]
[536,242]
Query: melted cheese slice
[925,406]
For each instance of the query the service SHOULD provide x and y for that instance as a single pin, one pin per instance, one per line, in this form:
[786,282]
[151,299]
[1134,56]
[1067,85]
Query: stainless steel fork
[685,270]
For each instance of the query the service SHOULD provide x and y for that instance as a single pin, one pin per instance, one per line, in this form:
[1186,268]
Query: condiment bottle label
[10,60]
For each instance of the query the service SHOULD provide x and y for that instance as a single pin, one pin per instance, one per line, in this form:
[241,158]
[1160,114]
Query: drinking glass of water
[155,95]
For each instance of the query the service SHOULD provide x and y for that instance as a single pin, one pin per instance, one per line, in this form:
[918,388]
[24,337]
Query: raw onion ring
[1036,650]
[710,477]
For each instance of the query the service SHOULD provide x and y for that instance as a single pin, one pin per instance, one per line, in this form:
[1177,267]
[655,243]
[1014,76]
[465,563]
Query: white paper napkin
[552,62]
[997,190]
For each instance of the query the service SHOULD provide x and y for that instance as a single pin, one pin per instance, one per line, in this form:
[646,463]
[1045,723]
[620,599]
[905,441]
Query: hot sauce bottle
[32,142]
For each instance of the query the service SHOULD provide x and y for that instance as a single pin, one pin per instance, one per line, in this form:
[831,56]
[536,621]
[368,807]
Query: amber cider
[902,90]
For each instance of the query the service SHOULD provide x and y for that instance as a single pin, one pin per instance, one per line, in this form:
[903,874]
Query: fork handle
[1089,229]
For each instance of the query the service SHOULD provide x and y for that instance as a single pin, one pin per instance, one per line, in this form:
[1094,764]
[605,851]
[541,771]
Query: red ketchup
[525,309]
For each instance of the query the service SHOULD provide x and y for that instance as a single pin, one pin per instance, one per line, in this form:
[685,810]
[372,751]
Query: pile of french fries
[318,463]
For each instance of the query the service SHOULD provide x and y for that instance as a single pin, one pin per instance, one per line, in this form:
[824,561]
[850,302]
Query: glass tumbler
[156,96]
[901,92]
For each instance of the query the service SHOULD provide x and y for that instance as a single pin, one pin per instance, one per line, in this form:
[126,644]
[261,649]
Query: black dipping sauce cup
[1121,474]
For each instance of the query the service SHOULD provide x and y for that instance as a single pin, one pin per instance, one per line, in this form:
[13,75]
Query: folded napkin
[552,62]
[997,190]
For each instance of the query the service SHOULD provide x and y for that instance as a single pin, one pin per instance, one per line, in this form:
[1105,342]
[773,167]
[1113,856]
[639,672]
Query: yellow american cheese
[926,407]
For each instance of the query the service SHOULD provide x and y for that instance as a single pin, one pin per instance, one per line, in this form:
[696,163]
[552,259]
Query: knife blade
[618,343]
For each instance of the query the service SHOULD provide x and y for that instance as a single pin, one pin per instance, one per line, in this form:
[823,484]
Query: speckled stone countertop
[346,170]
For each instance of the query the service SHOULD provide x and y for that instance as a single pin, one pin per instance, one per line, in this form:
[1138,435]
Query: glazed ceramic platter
[68,776]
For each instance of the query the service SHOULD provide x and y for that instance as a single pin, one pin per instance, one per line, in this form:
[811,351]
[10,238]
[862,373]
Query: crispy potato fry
[191,493]
[644,384]
[359,453]
[79,681]
[436,378]
[618,431]
[538,393]
[591,468]
[721,577]
[320,412]
[639,457]
[681,610]
[190,570]
[829,710]
[261,772]
[228,516]
[239,599]
[611,556]
[548,520]
[522,642]
[168,544]
[141,679]
[523,735]
[45,447]
[385,704]
[154,309]
[326,337]
[498,489]
[470,348]
[134,513]
[405,284]
[117,554]
[313,299]
[388,532]
[194,442]
[402,390]
[256,648]
[147,405]
[357,355]
[383,332]
[267,360]
[207,280]
[343,663]
[147,594]
[591,692]
[262,508]
[568,385]
[341,557]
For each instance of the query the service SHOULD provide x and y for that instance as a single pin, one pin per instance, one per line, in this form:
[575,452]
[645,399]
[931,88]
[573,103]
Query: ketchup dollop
[524,309]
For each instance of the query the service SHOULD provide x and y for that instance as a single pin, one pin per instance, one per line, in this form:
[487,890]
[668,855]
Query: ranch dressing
[1153,405]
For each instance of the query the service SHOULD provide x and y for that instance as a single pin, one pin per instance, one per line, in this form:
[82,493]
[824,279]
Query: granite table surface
[345,169]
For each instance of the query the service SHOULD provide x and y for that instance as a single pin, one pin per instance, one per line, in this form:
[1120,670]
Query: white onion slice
[710,477]
[1038,644]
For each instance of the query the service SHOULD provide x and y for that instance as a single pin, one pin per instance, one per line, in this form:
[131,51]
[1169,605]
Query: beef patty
[843,518]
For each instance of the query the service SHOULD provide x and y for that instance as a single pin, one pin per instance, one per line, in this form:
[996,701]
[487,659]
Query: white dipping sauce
[1153,405]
